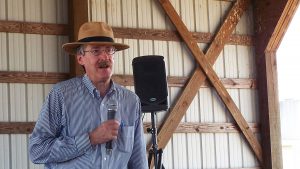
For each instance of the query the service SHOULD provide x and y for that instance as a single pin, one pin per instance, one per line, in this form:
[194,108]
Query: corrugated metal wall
[27,52]
[42,53]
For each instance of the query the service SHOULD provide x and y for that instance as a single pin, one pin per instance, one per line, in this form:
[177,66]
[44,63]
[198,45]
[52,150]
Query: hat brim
[72,47]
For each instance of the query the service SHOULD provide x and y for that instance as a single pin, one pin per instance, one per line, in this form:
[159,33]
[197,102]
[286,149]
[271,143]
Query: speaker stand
[154,152]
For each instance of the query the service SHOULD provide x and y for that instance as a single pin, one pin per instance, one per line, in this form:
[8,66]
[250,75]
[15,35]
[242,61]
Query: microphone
[112,107]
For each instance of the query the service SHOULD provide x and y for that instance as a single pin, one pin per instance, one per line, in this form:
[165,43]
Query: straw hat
[94,33]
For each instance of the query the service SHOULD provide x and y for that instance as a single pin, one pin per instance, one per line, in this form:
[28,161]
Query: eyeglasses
[97,52]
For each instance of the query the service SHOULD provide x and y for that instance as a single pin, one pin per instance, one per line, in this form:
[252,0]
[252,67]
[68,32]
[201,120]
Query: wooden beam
[78,15]
[187,127]
[185,99]
[34,28]
[270,27]
[32,77]
[16,127]
[125,33]
[125,80]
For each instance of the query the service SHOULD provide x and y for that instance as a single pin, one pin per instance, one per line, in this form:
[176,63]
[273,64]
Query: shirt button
[104,158]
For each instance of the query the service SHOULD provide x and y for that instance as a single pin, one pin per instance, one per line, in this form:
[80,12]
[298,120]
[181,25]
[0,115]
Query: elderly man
[74,129]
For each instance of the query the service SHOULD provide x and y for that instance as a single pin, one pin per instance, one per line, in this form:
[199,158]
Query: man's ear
[80,59]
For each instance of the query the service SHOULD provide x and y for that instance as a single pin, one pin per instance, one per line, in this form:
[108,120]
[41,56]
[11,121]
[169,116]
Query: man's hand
[106,131]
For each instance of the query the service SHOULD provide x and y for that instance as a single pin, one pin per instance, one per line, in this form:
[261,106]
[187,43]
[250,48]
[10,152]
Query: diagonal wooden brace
[176,114]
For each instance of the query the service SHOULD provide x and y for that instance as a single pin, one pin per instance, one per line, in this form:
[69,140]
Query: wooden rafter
[198,77]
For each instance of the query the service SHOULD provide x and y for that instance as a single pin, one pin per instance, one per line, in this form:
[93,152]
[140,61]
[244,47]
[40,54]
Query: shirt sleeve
[47,144]
[138,158]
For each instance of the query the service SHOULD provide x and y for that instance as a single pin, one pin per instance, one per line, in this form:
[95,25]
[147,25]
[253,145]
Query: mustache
[104,64]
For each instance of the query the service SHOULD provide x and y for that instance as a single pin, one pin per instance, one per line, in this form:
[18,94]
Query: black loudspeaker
[150,82]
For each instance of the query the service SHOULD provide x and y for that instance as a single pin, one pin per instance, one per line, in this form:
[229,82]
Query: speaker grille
[150,82]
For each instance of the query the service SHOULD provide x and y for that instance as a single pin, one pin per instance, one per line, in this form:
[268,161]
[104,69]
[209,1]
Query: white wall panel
[201,17]
[180,150]
[114,14]
[98,10]
[144,14]
[249,159]
[230,61]
[15,10]
[35,99]
[175,59]
[167,157]
[34,57]
[119,60]
[129,54]
[50,48]
[3,9]
[159,16]
[222,155]
[248,105]
[129,16]
[4,102]
[3,52]
[16,52]
[235,151]
[49,11]
[18,142]
[4,153]
[19,151]
[194,155]
[30,14]
[17,102]
[214,15]
[246,62]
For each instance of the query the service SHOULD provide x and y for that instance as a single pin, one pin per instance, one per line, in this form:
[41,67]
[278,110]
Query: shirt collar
[93,90]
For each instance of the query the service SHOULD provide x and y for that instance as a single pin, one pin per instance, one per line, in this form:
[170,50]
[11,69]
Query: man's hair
[80,51]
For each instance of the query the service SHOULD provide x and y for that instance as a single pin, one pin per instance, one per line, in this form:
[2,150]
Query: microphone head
[112,105]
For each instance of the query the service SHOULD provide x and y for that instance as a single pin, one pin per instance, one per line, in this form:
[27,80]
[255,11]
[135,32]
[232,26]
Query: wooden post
[270,27]
[78,14]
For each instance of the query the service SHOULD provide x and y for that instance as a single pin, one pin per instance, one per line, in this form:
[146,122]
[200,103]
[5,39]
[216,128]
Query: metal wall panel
[31,53]
[3,51]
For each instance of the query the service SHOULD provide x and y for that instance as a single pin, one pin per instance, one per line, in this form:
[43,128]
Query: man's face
[98,62]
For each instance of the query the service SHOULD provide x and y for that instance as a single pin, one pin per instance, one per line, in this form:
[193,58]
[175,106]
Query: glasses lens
[110,51]
[96,52]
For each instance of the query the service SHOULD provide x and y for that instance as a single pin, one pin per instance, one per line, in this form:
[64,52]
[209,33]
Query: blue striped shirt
[74,108]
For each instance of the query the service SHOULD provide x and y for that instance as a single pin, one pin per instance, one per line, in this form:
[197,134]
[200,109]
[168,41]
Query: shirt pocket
[125,139]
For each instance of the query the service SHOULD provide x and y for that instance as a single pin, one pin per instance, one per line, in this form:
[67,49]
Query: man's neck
[102,87]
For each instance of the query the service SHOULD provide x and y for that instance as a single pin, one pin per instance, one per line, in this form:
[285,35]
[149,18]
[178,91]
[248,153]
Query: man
[73,129]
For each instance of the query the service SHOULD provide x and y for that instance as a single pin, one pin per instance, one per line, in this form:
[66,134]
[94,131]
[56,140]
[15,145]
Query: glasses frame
[96,52]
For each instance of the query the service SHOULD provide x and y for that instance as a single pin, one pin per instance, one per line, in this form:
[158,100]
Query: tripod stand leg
[150,158]
[160,165]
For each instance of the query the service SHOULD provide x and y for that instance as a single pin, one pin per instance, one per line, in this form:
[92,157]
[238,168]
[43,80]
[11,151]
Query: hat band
[97,39]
